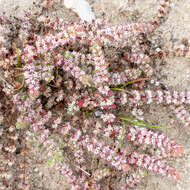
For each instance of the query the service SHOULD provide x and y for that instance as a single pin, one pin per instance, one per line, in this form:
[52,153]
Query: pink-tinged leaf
[34,92]
[105,107]
[81,102]
[177,151]
[79,29]
[113,106]
[70,42]
[174,174]
[126,168]
[110,93]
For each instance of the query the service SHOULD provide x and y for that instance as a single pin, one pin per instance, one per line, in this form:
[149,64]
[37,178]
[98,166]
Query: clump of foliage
[79,88]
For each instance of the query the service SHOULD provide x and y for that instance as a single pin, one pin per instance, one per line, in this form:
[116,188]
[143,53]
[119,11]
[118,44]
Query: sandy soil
[175,75]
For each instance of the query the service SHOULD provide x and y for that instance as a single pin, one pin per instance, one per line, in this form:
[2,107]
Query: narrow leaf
[120,139]
[139,123]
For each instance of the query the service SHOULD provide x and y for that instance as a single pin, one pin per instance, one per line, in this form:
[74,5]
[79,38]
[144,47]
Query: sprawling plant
[79,88]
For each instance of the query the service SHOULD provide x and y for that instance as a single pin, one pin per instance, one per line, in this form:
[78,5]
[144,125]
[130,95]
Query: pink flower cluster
[182,114]
[3,50]
[66,171]
[101,73]
[32,77]
[142,136]
[152,163]
[71,60]
[127,75]
[140,59]
[117,36]
[162,11]
[105,152]
[108,118]
[158,96]
[134,178]
[97,100]
[69,35]
[57,67]
[100,174]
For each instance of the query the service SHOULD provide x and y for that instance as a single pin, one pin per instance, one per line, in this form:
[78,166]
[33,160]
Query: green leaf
[140,123]
[37,133]
[59,158]
[18,125]
[52,137]
[84,68]
[59,152]
[50,162]
[120,139]
[28,127]
[70,112]
[145,173]
[66,55]
[107,171]
[93,72]
[22,89]
[119,89]
[22,85]
[129,82]
[18,57]
[86,114]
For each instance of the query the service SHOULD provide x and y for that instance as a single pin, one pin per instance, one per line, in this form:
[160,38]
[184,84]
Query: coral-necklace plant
[81,93]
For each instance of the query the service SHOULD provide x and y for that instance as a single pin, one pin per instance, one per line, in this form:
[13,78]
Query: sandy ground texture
[175,75]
